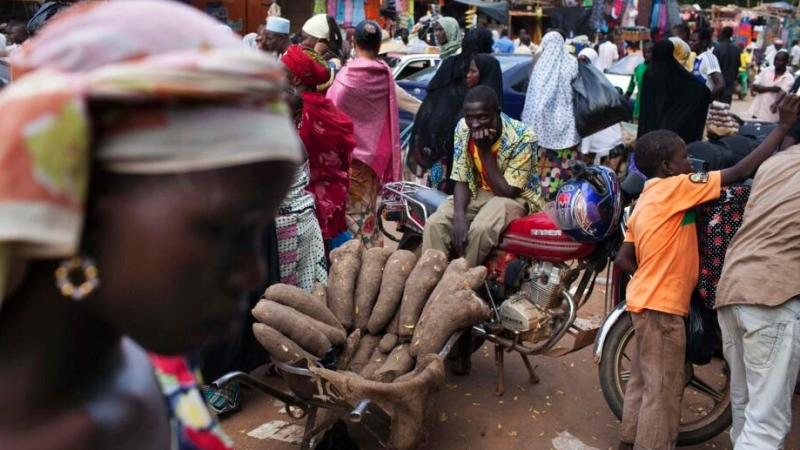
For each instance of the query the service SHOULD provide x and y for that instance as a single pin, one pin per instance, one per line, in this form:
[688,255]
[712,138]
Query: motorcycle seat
[431,198]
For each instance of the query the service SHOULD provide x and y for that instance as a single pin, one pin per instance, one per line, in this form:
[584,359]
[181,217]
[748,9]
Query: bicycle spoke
[704,388]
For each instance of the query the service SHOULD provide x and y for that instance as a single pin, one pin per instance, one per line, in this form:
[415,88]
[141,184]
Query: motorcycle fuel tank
[537,237]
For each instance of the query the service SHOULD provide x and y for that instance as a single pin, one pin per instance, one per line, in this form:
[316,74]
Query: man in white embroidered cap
[276,35]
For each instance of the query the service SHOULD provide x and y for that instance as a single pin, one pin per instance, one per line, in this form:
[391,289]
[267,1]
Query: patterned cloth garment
[717,223]
[194,427]
[301,250]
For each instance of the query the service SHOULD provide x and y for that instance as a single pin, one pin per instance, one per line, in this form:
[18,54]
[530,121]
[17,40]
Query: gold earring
[79,291]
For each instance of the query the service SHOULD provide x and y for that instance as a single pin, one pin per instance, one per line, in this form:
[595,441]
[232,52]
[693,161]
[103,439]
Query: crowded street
[399,224]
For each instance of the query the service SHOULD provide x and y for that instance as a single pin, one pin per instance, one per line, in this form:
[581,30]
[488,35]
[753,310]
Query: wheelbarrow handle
[358,412]
[255,383]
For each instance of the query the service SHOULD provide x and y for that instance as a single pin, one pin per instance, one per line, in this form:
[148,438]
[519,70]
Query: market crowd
[168,170]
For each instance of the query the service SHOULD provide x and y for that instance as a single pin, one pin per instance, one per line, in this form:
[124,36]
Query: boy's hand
[788,110]
[749,164]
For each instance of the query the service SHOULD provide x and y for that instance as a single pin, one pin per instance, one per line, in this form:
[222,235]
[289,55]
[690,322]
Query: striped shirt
[704,65]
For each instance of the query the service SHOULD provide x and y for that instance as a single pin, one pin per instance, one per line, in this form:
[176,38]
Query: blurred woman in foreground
[135,184]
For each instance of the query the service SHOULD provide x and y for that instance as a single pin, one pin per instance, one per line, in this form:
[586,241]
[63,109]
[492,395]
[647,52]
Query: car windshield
[626,65]
[506,63]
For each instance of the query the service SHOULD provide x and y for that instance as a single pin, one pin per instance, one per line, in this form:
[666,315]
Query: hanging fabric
[334,6]
[357,14]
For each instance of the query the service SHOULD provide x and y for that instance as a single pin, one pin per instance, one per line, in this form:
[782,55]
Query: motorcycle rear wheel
[698,424]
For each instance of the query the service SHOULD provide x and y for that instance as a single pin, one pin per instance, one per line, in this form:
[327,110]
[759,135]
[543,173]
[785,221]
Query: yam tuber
[349,349]
[399,362]
[457,276]
[320,292]
[302,301]
[294,325]
[419,286]
[388,343]
[369,283]
[376,360]
[443,317]
[345,264]
[393,326]
[280,347]
[366,346]
[396,272]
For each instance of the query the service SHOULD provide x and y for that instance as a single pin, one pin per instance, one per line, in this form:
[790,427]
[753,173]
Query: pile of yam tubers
[381,312]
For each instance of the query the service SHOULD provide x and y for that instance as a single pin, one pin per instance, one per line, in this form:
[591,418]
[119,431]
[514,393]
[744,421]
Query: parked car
[516,75]
[620,73]
[404,65]
[5,74]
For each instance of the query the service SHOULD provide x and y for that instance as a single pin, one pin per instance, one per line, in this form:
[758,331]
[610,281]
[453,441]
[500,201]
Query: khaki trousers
[488,216]
[651,416]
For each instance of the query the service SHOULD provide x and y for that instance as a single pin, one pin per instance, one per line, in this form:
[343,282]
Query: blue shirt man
[504,44]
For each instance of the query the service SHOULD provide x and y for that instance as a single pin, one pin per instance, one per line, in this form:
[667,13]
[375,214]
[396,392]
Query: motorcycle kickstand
[534,379]
[499,355]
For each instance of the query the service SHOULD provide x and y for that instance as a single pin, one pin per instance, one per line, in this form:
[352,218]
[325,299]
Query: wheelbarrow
[310,393]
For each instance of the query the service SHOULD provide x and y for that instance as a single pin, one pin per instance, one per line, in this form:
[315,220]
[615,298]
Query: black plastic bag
[596,101]
[700,326]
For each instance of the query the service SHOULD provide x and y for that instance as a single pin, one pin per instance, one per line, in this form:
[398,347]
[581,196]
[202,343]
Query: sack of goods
[596,102]
[721,121]
[379,330]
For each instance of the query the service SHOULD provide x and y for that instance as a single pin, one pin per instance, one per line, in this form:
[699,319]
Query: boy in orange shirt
[660,249]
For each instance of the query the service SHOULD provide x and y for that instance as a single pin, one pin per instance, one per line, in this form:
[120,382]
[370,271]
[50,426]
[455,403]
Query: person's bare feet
[625,446]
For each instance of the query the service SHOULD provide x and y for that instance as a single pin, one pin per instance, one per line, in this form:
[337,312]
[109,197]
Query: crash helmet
[588,207]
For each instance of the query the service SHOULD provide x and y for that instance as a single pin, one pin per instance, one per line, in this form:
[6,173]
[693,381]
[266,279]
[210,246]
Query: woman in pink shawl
[365,91]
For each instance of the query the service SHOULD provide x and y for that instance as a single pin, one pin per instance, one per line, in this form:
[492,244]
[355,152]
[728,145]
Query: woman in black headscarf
[672,99]
[431,146]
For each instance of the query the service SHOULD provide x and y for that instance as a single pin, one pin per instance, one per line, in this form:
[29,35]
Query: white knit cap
[317,27]
[278,25]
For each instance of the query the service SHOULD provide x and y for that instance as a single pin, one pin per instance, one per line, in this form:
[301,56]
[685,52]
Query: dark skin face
[781,61]
[678,164]
[647,52]
[696,44]
[178,253]
[17,34]
[441,36]
[275,42]
[483,121]
[473,75]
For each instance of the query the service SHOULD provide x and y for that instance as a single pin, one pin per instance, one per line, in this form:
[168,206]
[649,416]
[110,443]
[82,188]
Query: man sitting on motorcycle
[493,162]
[661,250]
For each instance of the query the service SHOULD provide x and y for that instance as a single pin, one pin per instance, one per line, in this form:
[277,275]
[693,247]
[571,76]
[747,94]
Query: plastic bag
[700,327]
[597,103]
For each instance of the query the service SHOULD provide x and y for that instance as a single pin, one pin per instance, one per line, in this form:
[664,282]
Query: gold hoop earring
[77,291]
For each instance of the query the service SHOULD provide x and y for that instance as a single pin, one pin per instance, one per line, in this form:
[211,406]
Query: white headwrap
[548,105]
[317,27]
[590,54]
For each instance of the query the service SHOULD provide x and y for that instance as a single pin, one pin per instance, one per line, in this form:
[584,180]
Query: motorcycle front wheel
[706,409]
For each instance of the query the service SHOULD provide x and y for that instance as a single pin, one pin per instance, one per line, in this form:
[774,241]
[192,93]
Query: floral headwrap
[126,53]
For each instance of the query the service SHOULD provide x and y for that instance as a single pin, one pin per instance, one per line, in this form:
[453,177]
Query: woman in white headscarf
[548,110]
[589,55]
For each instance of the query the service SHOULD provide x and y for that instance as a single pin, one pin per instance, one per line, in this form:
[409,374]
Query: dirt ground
[468,415]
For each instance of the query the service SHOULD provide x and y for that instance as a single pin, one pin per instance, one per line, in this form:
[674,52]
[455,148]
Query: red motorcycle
[539,277]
